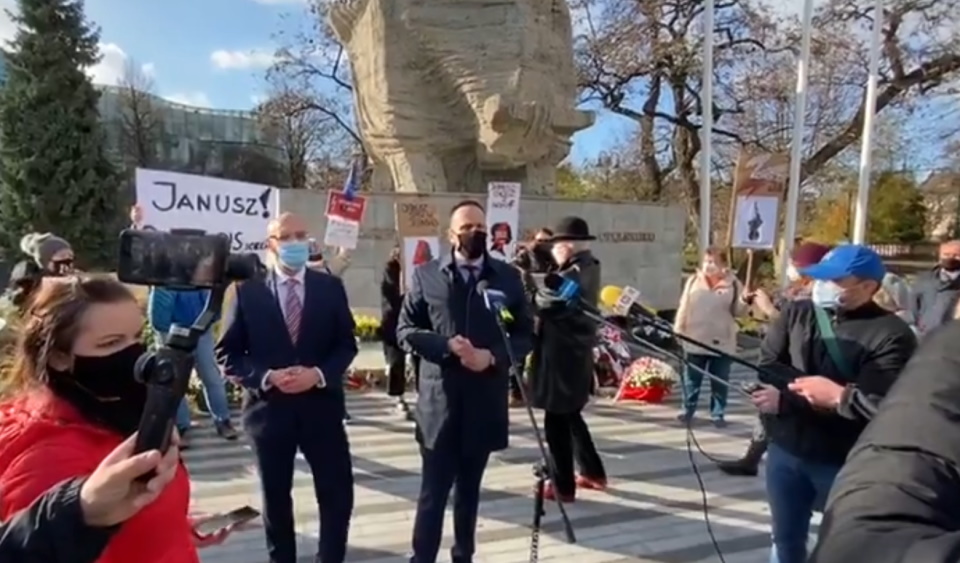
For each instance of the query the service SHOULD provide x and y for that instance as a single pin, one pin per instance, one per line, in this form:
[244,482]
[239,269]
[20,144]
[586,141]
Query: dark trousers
[441,470]
[396,369]
[277,430]
[568,439]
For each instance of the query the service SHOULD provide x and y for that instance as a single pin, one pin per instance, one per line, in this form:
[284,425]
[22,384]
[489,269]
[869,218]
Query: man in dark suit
[462,414]
[289,340]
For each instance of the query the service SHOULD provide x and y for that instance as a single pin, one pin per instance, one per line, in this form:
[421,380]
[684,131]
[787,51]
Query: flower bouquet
[648,380]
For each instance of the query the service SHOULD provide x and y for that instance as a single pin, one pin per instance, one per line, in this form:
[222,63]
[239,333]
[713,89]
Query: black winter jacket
[52,530]
[897,499]
[876,344]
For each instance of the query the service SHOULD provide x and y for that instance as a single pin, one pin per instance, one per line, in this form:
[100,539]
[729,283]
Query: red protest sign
[348,209]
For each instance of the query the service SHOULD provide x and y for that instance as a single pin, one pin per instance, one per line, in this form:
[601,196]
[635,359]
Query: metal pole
[706,132]
[869,114]
[796,149]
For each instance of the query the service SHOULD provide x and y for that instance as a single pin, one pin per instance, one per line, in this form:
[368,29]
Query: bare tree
[313,59]
[309,138]
[141,119]
[642,59]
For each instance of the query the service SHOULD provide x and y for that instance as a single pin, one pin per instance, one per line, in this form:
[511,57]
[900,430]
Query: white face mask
[711,268]
[792,273]
[826,294]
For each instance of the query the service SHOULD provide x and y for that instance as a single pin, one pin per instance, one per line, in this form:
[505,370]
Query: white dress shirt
[277,283]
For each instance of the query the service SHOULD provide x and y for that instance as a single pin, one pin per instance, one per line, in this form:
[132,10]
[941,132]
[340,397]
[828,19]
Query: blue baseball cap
[848,260]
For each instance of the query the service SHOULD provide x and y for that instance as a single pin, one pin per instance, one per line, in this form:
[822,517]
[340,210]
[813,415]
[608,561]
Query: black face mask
[472,245]
[61,267]
[104,389]
[950,264]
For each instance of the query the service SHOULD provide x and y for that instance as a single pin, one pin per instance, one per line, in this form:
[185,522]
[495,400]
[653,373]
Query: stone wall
[638,244]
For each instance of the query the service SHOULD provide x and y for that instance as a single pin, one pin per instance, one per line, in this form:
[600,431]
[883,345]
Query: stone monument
[452,94]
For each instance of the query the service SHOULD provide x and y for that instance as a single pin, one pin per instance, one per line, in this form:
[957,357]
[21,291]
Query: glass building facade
[146,130]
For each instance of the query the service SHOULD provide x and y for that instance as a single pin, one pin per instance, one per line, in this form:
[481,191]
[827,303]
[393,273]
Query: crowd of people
[838,341]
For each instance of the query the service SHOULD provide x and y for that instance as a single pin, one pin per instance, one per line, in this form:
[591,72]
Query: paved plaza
[651,513]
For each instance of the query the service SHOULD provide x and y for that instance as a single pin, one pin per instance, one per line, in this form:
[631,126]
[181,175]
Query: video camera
[183,260]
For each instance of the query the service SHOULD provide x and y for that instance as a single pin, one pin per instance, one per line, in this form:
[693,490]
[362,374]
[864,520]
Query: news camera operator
[832,349]
[561,377]
[70,398]
[74,521]
[897,498]
[534,258]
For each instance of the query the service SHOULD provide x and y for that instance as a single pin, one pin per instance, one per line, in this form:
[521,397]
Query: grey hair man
[935,292]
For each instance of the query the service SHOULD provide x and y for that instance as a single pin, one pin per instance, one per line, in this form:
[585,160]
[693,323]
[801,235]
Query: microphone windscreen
[552,281]
[610,295]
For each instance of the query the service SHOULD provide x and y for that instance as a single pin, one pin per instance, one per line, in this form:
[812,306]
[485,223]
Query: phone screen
[218,522]
[170,260]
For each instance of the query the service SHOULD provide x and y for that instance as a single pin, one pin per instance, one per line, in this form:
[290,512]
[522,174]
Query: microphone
[569,290]
[625,302]
[495,301]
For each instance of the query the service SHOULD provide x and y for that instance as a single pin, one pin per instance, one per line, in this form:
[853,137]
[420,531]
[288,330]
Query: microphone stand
[543,470]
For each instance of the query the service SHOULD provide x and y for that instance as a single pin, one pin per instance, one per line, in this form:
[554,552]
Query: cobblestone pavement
[651,513]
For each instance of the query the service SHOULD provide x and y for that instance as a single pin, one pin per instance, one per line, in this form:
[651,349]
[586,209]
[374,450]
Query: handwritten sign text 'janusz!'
[417,218]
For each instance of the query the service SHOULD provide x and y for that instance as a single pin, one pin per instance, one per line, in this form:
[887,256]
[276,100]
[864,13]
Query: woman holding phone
[70,398]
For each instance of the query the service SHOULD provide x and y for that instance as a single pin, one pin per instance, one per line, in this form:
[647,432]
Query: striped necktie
[293,309]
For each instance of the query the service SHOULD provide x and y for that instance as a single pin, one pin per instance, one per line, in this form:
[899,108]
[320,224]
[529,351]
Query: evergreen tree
[54,174]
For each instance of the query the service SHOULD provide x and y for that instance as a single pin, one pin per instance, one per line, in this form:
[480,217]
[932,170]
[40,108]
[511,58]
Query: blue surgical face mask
[826,294]
[293,254]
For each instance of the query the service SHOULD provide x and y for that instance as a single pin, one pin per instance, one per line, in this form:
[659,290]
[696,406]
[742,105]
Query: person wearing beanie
[51,253]
[804,255]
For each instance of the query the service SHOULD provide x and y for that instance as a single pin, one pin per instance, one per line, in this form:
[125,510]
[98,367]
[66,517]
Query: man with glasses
[289,340]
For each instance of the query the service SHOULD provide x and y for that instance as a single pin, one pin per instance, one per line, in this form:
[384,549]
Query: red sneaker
[584,482]
[549,493]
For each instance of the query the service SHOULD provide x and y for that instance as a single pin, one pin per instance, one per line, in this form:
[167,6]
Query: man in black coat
[462,414]
[897,498]
[562,376]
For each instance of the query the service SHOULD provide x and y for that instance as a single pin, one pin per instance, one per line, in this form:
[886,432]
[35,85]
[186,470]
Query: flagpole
[869,115]
[706,131]
[796,148]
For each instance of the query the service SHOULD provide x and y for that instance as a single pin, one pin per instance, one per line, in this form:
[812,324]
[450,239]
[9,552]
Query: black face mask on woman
[104,389]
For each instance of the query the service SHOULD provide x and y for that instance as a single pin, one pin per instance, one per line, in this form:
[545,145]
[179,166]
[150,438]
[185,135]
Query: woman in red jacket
[71,398]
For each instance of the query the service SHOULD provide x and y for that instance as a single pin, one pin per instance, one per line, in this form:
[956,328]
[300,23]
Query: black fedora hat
[571,228]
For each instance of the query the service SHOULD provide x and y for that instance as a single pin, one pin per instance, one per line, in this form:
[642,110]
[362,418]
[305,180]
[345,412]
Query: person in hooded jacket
[71,398]
[561,378]
[897,498]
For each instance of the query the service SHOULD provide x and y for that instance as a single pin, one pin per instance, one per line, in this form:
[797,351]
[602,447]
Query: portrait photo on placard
[417,251]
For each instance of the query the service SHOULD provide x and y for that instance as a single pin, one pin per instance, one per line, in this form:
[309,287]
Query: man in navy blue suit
[462,414]
[289,339]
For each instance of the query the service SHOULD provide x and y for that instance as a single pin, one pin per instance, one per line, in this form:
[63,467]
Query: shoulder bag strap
[829,336]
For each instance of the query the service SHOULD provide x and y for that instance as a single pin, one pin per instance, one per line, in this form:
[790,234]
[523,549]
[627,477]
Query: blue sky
[213,52]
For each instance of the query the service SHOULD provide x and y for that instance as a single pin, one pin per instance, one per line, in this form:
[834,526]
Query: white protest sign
[628,297]
[170,200]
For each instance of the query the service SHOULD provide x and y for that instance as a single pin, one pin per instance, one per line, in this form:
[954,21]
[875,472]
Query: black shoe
[346,417]
[749,464]
[226,430]
[719,423]
[739,468]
